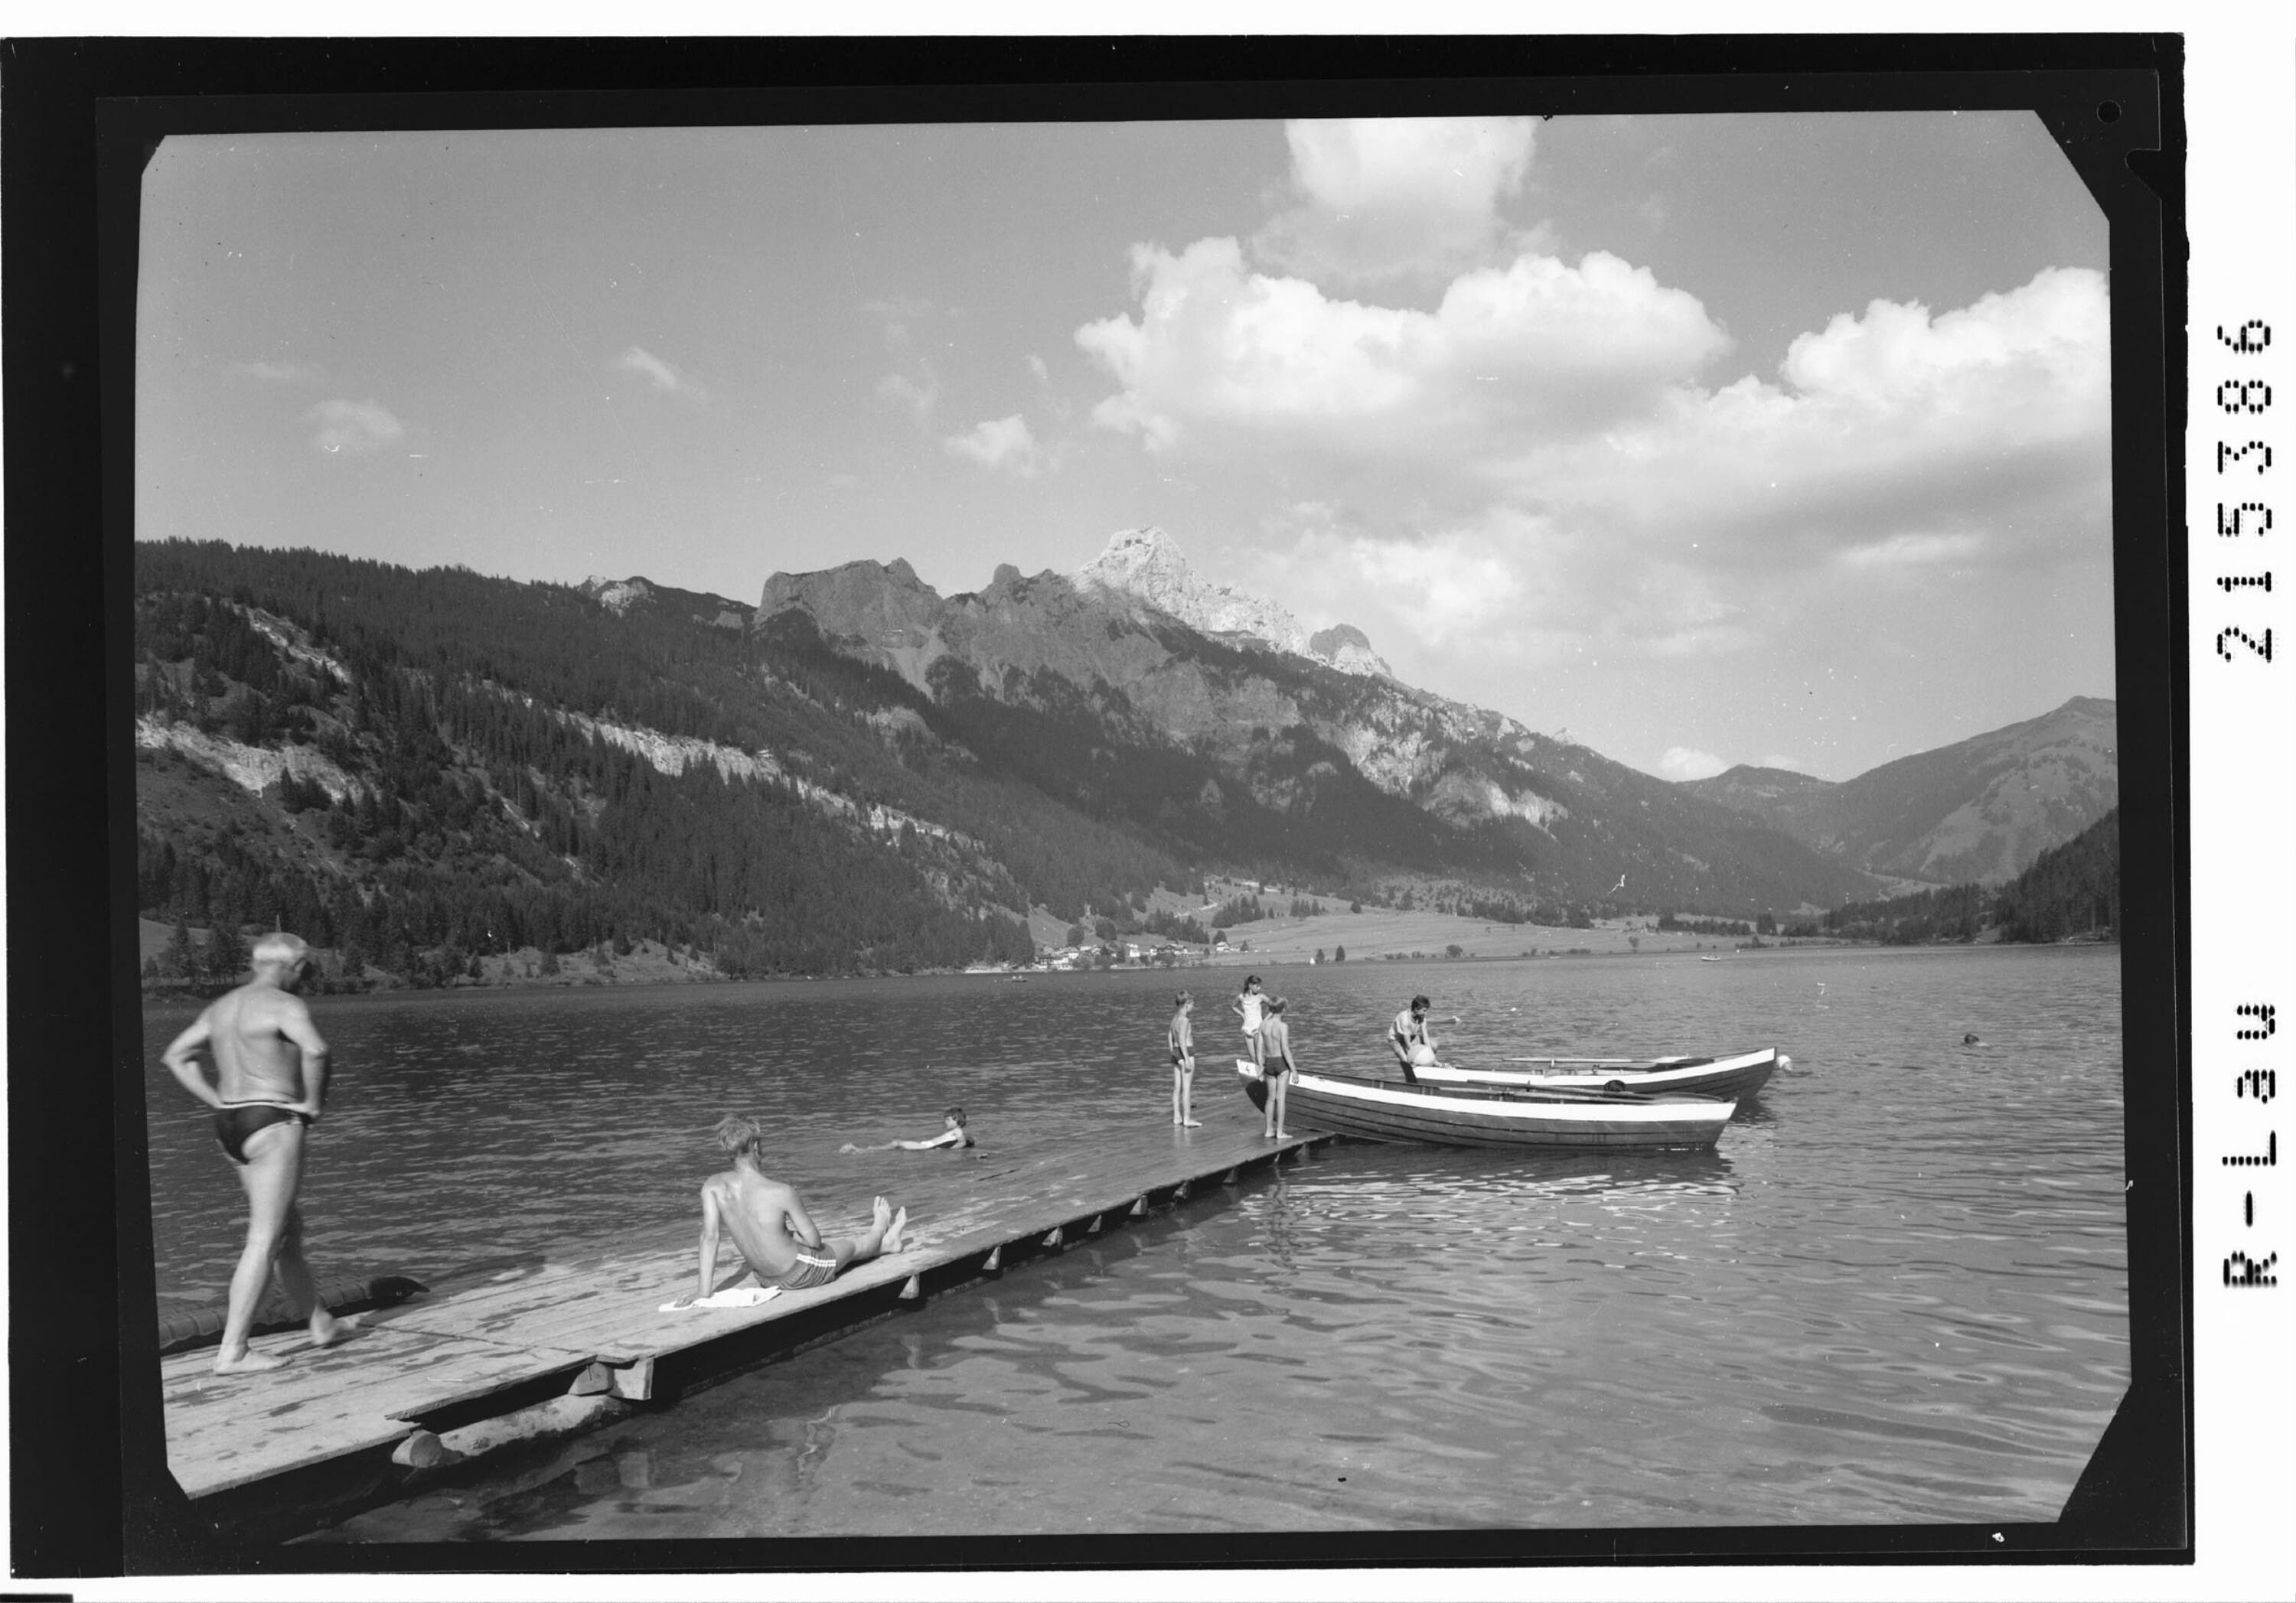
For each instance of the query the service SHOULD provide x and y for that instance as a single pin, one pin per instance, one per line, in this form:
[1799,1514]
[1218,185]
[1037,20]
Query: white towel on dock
[733,1296]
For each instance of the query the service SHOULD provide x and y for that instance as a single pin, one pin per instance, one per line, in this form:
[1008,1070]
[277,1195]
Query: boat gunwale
[1505,1102]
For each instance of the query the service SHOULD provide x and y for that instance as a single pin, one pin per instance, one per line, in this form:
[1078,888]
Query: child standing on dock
[271,1085]
[776,1236]
[1278,1065]
[1180,1037]
[1248,1006]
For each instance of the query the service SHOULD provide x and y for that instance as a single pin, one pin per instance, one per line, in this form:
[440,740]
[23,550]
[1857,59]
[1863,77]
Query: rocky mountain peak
[1349,650]
[616,595]
[1147,565]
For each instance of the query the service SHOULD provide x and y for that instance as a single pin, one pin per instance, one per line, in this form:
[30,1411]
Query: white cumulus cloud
[918,395]
[1689,762]
[277,372]
[663,376]
[1382,197]
[1003,443]
[1534,466]
[353,427]
[1227,353]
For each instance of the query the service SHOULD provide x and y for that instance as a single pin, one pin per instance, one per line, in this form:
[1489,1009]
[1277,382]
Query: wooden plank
[226,1430]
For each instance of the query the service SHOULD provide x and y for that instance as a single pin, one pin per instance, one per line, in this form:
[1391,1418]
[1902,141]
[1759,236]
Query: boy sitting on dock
[777,1237]
[953,1135]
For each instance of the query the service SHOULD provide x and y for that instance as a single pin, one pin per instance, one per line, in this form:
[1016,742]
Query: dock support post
[912,1291]
[591,1381]
[996,1259]
[1140,1207]
[422,1450]
[1229,1178]
[1055,1238]
[632,1383]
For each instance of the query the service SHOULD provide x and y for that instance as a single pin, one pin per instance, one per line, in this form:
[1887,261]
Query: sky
[1770,439]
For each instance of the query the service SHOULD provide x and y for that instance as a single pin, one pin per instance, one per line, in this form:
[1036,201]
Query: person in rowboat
[1410,1039]
[1278,1066]
[776,1236]
[271,1086]
[953,1135]
[1180,1039]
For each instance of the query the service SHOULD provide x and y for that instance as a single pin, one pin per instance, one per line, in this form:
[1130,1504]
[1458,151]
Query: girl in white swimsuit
[1247,1005]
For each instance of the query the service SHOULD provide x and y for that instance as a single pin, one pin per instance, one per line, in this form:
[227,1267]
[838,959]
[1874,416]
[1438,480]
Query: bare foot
[1283,1135]
[249,1363]
[1193,1123]
[893,1242]
[336,1331]
[880,1214]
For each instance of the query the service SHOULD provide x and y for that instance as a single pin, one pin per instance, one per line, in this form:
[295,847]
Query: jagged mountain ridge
[1146,565]
[1357,765]
[1982,809]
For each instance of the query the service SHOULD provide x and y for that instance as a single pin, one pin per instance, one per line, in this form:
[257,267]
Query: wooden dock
[538,1347]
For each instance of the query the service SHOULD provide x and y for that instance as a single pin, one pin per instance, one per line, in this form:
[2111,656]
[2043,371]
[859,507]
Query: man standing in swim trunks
[271,1084]
[775,1235]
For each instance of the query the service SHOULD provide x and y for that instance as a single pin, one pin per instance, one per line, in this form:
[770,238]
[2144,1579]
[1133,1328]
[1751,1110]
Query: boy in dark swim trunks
[1180,1041]
[271,1085]
[1279,1067]
[776,1236]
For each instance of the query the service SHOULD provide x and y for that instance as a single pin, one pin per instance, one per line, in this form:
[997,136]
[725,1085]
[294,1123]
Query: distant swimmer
[271,1086]
[953,1135]
[777,1238]
[1972,1040]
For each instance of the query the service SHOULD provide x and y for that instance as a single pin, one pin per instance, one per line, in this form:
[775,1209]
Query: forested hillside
[427,772]
[419,767]
[2071,890]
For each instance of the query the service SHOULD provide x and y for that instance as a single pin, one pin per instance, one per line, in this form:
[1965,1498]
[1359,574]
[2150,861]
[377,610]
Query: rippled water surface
[1896,1292]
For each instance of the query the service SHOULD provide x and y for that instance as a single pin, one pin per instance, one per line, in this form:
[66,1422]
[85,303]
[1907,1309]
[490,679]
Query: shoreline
[166,993]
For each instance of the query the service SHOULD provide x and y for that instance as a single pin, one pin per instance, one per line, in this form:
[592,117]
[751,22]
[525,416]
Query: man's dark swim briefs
[234,1123]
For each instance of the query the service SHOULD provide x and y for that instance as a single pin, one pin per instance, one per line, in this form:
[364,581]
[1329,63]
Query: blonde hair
[286,949]
[738,1134]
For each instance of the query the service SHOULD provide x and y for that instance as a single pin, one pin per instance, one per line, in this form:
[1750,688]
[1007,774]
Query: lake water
[1897,1292]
